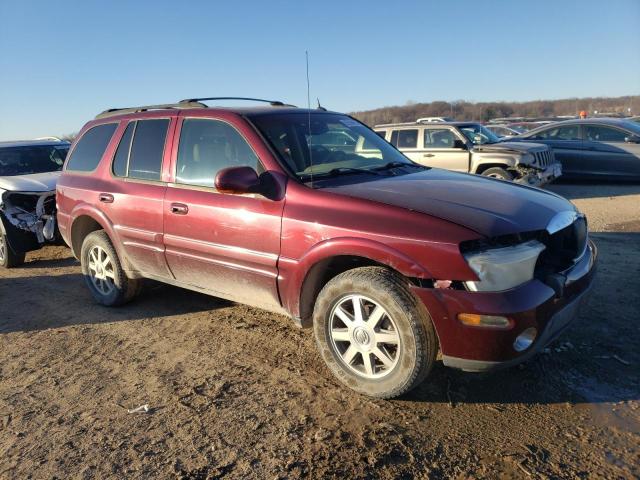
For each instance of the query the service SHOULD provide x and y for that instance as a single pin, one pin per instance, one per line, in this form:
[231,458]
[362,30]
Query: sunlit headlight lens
[503,268]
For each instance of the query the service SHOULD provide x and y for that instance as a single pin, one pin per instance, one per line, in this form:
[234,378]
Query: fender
[85,209]
[292,273]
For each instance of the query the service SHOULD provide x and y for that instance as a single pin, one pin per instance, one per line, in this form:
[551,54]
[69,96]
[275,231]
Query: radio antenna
[306,53]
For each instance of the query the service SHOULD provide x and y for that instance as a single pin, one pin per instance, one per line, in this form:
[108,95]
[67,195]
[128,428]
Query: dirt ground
[236,392]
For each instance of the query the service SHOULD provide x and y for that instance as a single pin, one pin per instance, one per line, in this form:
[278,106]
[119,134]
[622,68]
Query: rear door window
[121,159]
[89,150]
[145,159]
[405,138]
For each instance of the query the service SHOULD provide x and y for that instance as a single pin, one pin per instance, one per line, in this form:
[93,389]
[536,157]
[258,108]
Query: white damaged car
[29,171]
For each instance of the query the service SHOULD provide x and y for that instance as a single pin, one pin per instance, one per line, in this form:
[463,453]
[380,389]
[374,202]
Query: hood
[36,182]
[517,147]
[488,206]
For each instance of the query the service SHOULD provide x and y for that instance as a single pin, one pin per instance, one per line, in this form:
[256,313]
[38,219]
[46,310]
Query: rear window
[32,159]
[89,150]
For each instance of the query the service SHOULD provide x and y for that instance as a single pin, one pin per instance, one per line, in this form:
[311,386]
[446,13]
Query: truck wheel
[497,172]
[103,273]
[9,258]
[373,333]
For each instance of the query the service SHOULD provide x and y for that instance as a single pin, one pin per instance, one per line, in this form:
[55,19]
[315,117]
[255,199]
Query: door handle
[429,155]
[179,209]
[106,198]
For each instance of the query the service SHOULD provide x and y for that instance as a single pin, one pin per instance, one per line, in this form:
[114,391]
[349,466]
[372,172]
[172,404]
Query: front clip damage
[33,212]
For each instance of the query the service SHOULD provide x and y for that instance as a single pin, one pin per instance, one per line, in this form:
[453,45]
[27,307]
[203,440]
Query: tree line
[485,111]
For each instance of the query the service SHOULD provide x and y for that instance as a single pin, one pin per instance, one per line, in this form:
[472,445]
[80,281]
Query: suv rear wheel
[373,333]
[103,273]
[8,258]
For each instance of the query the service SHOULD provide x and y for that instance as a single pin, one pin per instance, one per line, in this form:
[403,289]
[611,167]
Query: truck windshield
[478,134]
[31,159]
[324,144]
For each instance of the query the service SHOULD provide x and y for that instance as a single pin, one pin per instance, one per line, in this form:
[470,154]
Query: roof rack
[144,108]
[275,103]
[186,103]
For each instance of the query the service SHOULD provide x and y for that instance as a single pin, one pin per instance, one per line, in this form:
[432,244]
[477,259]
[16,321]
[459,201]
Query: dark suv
[389,261]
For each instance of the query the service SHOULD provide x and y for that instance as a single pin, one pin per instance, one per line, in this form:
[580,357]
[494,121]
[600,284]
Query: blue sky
[62,62]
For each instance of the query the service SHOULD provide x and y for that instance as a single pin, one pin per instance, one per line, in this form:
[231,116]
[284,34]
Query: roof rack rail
[275,103]
[120,111]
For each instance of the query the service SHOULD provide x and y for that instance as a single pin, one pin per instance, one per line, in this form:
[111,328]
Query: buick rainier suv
[388,261]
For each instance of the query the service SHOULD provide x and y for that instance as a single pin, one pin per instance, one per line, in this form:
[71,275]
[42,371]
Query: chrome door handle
[179,209]
[106,198]
[428,155]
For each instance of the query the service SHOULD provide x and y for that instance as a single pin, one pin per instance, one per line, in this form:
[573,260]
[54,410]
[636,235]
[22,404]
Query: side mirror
[459,144]
[632,139]
[237,180]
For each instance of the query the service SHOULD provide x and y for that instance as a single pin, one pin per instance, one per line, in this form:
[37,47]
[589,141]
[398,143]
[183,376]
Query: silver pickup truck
[470,147]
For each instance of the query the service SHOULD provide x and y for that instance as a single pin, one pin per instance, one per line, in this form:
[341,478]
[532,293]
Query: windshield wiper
[334,172]
[394,164]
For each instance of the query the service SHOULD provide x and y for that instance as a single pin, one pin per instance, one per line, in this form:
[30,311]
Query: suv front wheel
[372,332]
[103,272]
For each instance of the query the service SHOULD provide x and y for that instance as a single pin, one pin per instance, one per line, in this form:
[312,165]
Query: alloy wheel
[364,336]
[101,270]
[3,248]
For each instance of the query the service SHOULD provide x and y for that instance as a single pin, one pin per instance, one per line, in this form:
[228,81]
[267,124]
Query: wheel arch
[87,219]
[334,257]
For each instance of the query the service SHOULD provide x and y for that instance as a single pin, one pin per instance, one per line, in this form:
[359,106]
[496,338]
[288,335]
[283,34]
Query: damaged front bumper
[537,178]
[534,305]
[28,218]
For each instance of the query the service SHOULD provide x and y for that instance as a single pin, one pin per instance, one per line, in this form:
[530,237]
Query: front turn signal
[488,321]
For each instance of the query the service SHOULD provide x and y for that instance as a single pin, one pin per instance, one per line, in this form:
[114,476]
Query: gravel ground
[240,393]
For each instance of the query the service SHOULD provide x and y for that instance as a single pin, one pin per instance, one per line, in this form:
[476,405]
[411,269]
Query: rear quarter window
[89,150]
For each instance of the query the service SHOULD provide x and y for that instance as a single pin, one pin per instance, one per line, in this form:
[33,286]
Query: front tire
[103,272]
[499,173]
[373,333]
[9,258]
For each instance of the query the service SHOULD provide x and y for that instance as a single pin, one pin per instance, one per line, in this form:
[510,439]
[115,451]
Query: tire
[9,258]
[402,332]
[103,272]
[500,173]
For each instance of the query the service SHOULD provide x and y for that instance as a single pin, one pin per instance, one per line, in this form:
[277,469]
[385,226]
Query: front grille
[564,247]
[544,158]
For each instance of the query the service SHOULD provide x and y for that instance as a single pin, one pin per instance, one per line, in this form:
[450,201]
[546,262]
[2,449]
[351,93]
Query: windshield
[478,134]
[327,144]
[32,159]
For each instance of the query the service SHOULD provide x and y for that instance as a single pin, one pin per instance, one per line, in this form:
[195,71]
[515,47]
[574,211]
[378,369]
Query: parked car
[28,174]
[503,131]
[434,119]
[388,260]
[593,148]
[470,147]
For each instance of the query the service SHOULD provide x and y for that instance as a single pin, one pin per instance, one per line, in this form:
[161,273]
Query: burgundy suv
[310,214]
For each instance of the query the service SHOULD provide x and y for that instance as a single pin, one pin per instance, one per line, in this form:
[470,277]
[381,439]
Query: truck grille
[564,247]
[544,158]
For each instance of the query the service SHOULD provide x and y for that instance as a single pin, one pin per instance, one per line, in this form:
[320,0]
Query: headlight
[503,268]
[528,159]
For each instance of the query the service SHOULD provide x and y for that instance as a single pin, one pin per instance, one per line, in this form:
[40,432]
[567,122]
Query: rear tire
[103,271]
[500,173]
[9,258]
[375,336]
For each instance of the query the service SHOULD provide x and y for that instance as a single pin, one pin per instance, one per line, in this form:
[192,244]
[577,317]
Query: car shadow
[41,302]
